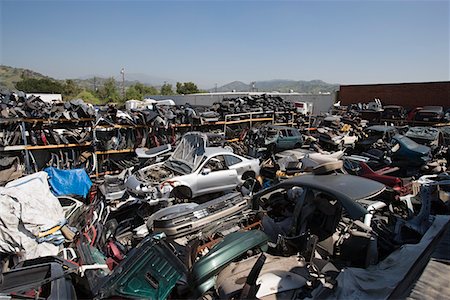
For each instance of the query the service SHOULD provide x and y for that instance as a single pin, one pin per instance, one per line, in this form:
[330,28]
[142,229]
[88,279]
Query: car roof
[209,151]
[432,109]
[343,184]
[393,106]
[347,188]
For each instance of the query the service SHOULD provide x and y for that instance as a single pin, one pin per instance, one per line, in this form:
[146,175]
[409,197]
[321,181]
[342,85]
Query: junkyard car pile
[337,209]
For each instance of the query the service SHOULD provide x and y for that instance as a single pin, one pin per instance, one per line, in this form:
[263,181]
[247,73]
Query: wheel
[182,193]
[271,148]
[248,174]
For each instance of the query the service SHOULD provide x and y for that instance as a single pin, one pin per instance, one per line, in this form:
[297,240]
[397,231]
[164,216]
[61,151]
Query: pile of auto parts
[17,105]
[254,103]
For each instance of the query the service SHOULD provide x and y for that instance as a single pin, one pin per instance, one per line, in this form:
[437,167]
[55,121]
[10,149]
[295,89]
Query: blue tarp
[68,182]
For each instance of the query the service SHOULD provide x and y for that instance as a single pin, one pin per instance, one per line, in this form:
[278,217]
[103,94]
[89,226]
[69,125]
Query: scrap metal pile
[337,209]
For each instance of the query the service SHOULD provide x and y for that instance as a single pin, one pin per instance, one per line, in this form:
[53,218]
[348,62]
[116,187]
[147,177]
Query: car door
[219,177]
[283,139]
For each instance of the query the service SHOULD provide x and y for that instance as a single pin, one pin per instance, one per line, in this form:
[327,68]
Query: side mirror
[206,171]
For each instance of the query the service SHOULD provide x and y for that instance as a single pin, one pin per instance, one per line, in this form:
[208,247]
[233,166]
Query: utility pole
[123,83]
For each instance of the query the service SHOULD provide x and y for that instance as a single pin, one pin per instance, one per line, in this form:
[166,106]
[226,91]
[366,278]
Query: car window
[290,133]
[232,160]
[216,163]
[283,133]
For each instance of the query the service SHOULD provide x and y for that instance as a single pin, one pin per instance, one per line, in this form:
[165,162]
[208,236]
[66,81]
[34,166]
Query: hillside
[9,76]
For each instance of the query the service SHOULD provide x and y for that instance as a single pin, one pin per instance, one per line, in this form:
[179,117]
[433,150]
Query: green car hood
[150,271]
[231,247]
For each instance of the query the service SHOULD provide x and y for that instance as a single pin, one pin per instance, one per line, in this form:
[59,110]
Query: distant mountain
[279,85]
[9,76]
[237,86]
[133,77]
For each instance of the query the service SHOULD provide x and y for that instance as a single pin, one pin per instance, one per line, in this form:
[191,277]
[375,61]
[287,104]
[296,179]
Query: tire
[182,193]
[298,145]
[248,174]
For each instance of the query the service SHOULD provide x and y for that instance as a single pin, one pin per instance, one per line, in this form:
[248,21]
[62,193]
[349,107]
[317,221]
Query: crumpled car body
[430,114]
[374,134]
[324,205]
[428,136]
[153,270]
[189,218]
[282,137]
[337,138]
[358,167]
[406,152]
[192,170]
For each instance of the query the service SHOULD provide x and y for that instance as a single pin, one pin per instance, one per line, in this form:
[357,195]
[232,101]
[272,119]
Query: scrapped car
[337,139]
[407,153]
[355,165]
[317,204]
[394,112]
[430,114]
[428,136]
[337,133]
[192,170]
[282,137]
[376,134]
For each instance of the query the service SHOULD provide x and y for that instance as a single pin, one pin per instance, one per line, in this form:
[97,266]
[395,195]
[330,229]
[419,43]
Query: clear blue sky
[212,42]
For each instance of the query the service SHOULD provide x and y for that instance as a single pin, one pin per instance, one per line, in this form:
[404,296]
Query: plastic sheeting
[69,182]
[28,207]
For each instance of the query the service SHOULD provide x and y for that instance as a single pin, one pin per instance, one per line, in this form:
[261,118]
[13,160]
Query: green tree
[71,90]
[166,89]
[187,88]
[145,90]
[133,93]
[45,85]
[108,92]
[138,91]
[89,97]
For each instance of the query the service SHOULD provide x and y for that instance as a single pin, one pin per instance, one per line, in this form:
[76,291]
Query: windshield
[178,166]
[188,153]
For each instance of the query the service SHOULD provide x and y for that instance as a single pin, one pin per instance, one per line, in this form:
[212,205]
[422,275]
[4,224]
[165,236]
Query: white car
[192,170]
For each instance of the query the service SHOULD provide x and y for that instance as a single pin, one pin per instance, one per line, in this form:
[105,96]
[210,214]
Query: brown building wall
[409,95]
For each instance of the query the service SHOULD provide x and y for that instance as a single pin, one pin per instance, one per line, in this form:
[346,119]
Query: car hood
[190,150]
[230,248]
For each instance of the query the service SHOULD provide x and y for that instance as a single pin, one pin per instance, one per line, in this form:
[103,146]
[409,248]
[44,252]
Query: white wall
[46,97]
